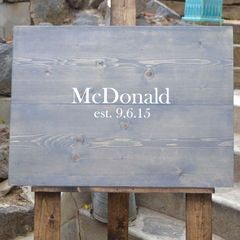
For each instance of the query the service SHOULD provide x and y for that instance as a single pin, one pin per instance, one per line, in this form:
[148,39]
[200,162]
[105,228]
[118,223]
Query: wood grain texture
[199,217]
[237,55]
[186,144]
[237,78]
[123,12]
[47,216]
[123,190]
[118,216]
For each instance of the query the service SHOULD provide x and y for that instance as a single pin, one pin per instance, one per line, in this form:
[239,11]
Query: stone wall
[26,12]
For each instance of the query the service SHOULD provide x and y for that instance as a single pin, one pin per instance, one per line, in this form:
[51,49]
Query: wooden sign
[122,106]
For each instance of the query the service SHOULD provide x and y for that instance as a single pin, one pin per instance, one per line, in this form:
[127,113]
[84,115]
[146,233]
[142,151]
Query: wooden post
[47,216]
[123,12]
[199,216]
[118,216]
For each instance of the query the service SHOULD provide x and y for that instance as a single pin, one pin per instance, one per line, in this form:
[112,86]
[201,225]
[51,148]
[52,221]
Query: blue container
[203,10]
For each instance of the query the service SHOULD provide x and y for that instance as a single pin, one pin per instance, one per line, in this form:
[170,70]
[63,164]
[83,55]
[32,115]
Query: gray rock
[95,3]
[70,230]
[5,68]
[71,203]
[15,220]
[15,1]
[5,188]
[12,15]
[140,6]
[27,194]
[5,103]
[51,11]
[88,17]
[76,4]
[4,148]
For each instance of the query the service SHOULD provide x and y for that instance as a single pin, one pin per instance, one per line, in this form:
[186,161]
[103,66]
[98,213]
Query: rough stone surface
[172,204]
[11,15]
[140,6]
[76,4]
[71,203]
[148,225]
[15,1]
[4,140]
[5,68]
[104,10]
[51,11]
[29,236]
[70,230]
[5,188]
[94,3]
[15,220]
[88,17]
[27,194]
[16,215]
[5,103]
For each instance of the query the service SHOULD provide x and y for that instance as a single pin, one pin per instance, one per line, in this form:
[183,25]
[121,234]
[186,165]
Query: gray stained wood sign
[122,106]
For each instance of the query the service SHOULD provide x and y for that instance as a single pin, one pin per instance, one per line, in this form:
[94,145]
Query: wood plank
[123,190]
[118,216]
[237,78]
[123,12]
[187,143]
[199,217]
[237,55]
[236,33]
[231,12]
[51,68]
[47,216]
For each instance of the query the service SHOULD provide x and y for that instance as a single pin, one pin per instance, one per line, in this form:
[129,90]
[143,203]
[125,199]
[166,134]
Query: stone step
[30,236]
[16,215]
[226,209]
[149,225]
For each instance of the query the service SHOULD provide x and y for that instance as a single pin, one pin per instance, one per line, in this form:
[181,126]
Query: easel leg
[118,216]
[199,216]
[47,216]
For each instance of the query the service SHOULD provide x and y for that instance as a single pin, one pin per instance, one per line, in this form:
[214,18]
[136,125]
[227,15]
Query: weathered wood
[236,33]
[236,29]
[237,78]
[185,144]
[199,217]
[237,55]
[118,216]
[47,216]
[123,190]
[123,12]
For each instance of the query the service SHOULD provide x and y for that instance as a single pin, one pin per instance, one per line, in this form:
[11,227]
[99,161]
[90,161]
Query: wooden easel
[48,208]
[48,199]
